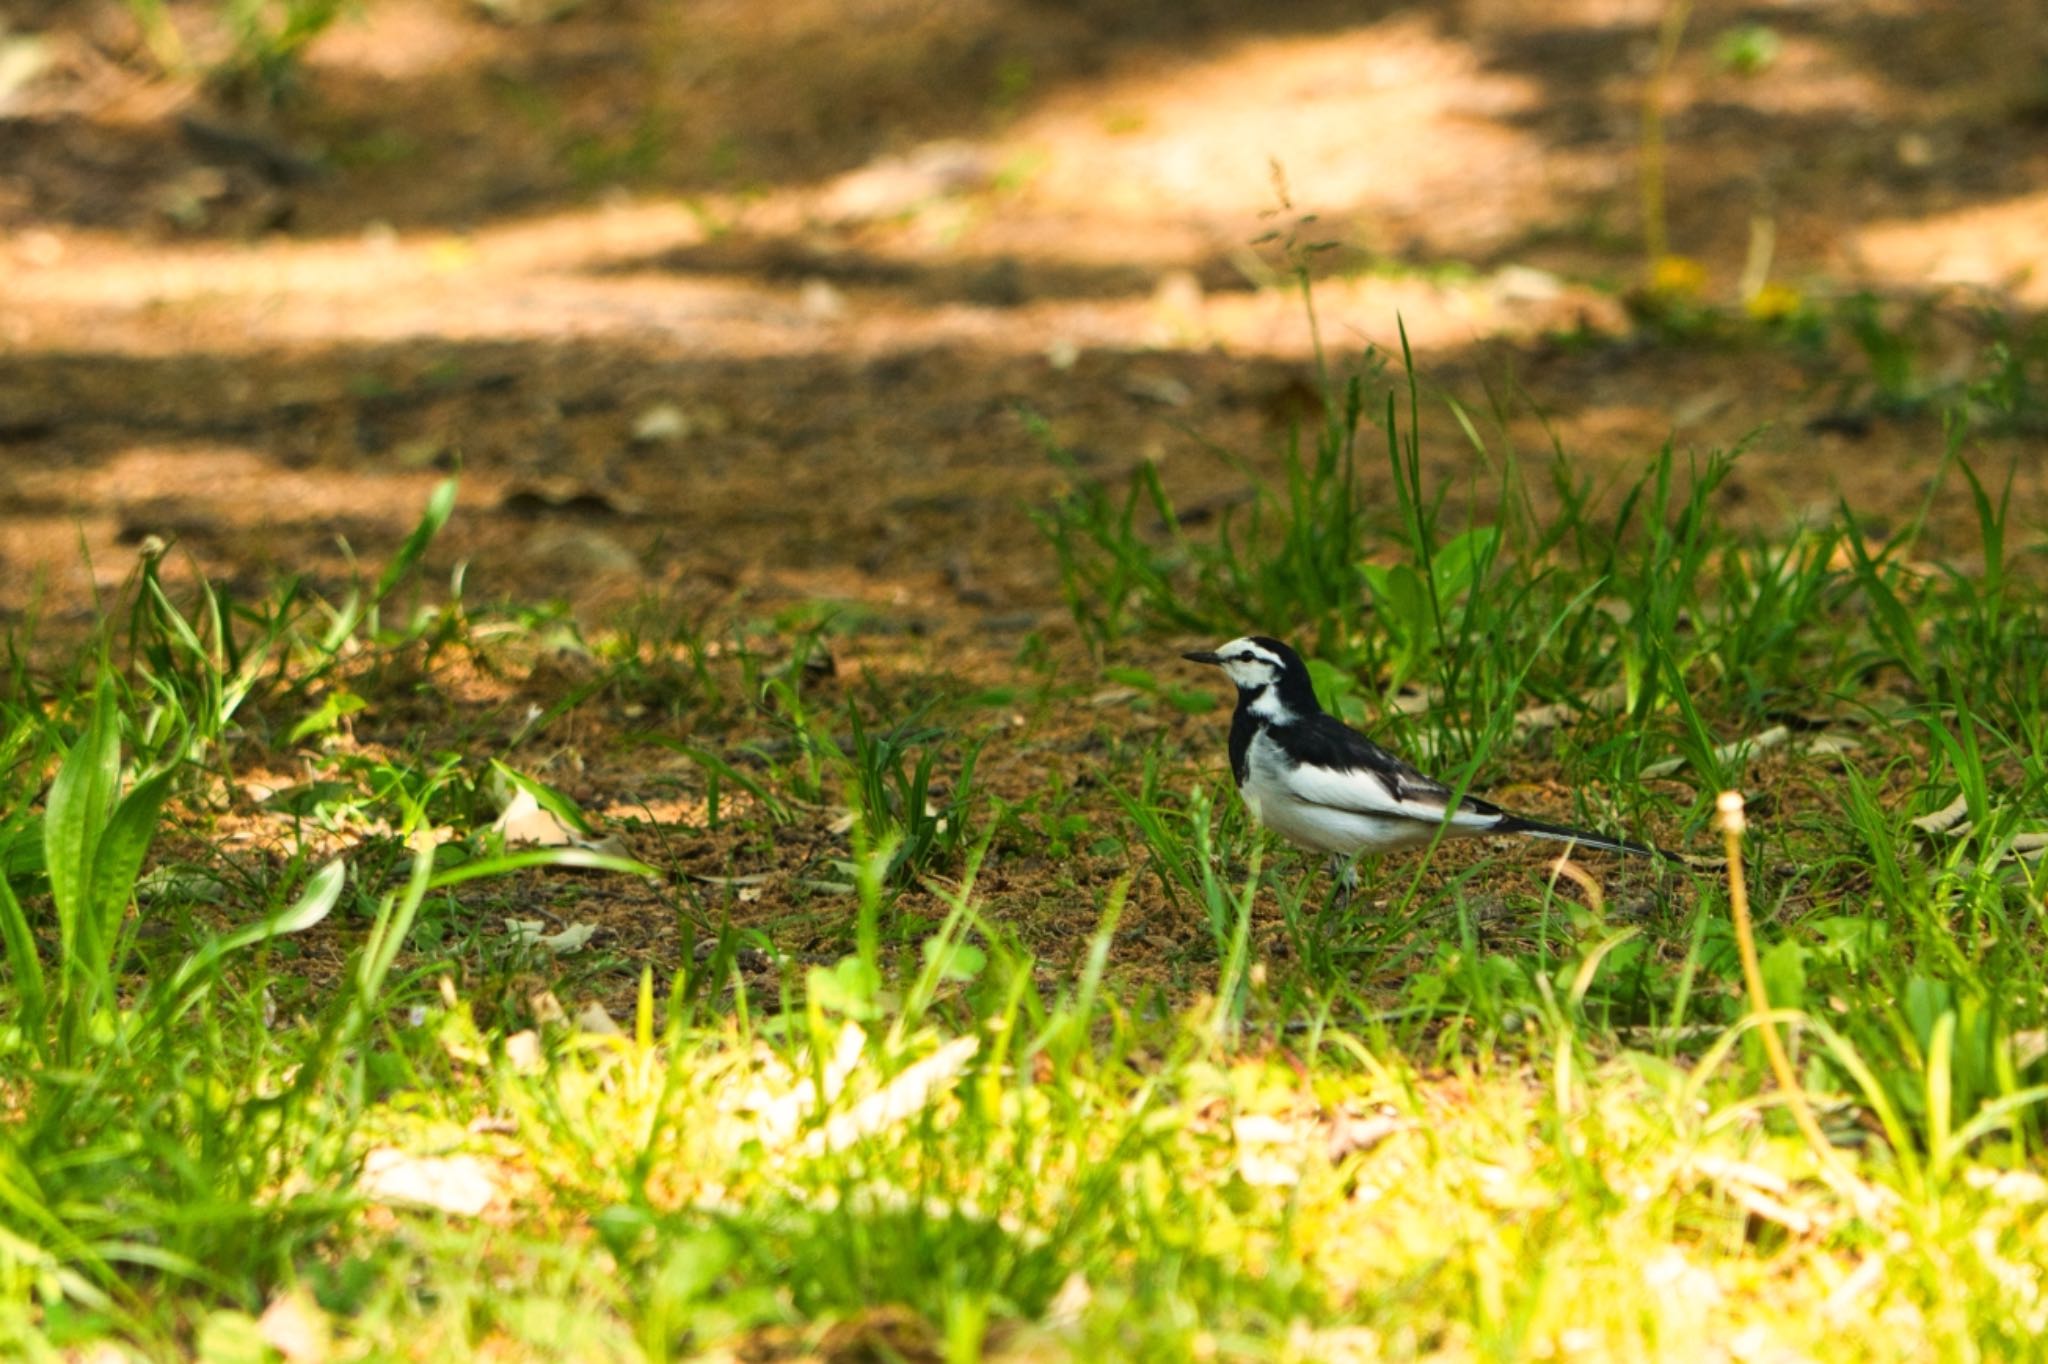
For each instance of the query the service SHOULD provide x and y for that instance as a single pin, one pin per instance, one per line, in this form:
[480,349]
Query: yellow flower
[1678,277]
[1774,303]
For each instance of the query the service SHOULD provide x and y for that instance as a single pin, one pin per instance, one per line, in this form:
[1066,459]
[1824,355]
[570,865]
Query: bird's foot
[1345,872]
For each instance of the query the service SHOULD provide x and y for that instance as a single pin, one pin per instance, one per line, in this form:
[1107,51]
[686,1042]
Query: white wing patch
[1362,791]
[1345,811]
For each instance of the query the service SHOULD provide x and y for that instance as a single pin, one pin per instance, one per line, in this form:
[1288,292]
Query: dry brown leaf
[565,493]
[523,1052]
[461,1185]
[594,1020]
[1946,819]
[1758,1191]
[1348,1134]
[533,932]
[525,820]
[295,1327]
[1825,745]
[1563,866]
[1735,751]
[911,1092]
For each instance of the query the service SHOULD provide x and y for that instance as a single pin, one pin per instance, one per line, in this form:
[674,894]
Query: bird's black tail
[1536,828]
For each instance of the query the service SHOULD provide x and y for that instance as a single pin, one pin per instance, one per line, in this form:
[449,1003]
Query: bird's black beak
[1203,656]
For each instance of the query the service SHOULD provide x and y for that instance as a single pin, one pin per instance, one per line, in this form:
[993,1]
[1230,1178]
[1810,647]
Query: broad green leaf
[955,961]
[1925,1001]
[1400,598]
[1784,972]
[338,703]
[1333,685]
[117,861]
[848,988]
[24,964]
[1458,564]
[81,798]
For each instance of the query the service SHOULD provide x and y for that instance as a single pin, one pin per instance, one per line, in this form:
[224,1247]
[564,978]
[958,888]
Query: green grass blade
[313,904]
[586,859]
[24,962]
[718,769]
[440,506]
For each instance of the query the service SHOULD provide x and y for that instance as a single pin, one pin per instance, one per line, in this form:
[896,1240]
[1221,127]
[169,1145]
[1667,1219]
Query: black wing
[1327,742]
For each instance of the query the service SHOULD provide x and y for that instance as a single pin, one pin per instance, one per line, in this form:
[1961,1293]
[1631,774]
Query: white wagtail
[1322,785]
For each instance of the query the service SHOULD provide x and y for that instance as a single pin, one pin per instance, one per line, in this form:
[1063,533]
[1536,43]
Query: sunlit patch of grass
[984,1023]
[1081,1182]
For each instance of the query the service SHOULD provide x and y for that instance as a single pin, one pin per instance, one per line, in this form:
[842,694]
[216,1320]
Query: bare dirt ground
[725,306]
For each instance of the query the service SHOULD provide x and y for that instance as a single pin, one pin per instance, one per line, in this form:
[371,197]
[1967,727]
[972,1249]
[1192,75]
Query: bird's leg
[1346,873]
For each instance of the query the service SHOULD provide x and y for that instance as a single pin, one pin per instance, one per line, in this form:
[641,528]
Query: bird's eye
[1247,657]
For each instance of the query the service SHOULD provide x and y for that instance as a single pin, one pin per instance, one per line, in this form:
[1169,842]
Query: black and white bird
[1322,785]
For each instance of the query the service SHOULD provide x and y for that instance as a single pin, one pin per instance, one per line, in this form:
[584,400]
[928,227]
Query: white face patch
[1250,665]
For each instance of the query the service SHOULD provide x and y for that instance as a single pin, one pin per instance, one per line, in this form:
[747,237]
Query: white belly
[1337,831]
[1270,799]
